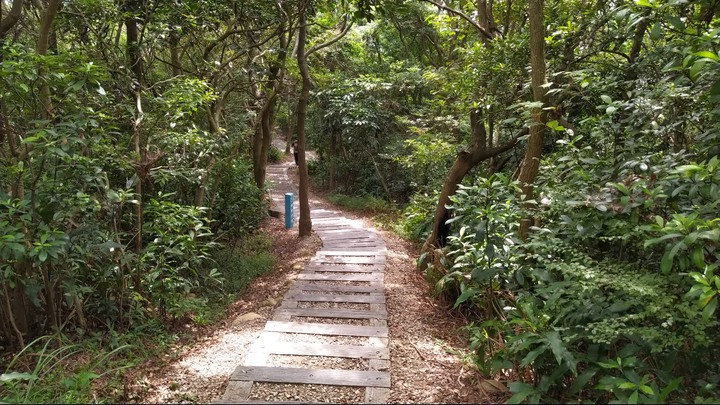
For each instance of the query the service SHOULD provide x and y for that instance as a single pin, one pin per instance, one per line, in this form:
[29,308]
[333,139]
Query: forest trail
[403,323]
[331,326]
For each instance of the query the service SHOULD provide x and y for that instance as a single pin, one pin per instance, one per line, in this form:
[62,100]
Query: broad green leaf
[531,356]
[647,390]
[696,68]
[14,376]
[676,22]
[699,278]
[627,385]
[666,262]
[698,257]
[520,391]
[645,3]
[606,99]
[656,31]
[706,54]
[633,398]
[558,348]
[465,296]
[582,380]
[710,308]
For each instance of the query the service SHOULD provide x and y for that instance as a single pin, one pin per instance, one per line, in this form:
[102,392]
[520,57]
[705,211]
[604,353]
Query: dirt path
[426,351]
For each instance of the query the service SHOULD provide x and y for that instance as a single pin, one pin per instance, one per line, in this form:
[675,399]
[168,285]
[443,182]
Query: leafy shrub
[274,154]
[238,207]
[359,203]
[417,217]
[612,298]
[175,260]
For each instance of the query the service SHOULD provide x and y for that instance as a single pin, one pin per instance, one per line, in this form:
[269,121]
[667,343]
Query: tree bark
[263,137]
[531,162]
[134,60]
[11,18]
[305,224]
[464,162]
[46,108]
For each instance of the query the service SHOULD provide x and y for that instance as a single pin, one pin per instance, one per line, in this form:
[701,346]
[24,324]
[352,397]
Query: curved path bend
[331,327]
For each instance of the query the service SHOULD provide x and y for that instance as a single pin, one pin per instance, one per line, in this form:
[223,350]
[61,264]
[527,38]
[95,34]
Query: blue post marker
[288,210]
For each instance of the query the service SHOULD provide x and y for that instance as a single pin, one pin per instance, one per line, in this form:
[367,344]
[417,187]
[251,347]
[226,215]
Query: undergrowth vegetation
[77,367]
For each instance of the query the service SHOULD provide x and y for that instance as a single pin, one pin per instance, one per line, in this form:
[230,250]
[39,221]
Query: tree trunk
[332,161]
[464,162]
[263,138]
[134,59]
[11,18]
[305,227]
[531,162]
[46,108]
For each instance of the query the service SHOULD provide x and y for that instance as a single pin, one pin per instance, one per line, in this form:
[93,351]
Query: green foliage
[274,154]
[175,262]
[237,204]
[242,266]
[363,203]
[417,217]
[52,359]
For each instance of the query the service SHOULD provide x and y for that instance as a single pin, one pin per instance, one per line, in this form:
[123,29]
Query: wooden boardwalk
[324,301]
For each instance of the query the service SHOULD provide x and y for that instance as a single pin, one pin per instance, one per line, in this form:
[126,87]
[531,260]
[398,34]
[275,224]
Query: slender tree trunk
[134,59]
[263,138]
[46,108]
[464,162]
[332,160]
[12,17]
[305,227]
[531,162]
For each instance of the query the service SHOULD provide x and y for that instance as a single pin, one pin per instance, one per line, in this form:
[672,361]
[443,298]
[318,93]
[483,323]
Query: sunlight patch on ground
[221,357]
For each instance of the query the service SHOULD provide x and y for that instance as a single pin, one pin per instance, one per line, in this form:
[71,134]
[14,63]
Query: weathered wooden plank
[353,233]
[378,395]
[326,329]
[310,286]
[289,375]
[348,253]
[256,401]
[342,277]
[355,247]
[343,269]
[308,349]
[333,313]
[360,299]
[348,260]
[318,266]
[236,391]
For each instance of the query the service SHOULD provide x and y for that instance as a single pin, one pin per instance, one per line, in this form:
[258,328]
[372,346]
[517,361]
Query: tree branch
[464,16]
[13,16]
[345,30]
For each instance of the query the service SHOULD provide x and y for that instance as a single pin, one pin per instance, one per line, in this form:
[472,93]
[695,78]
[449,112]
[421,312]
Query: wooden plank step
[343,269]
[327,350]
[341,277]
[359,299]
[361,248]
[348,260]
[310,328]
[309,286]
[333,313]
[351,253]
[349,234]
[258,401]
[290,375]
[295,291]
